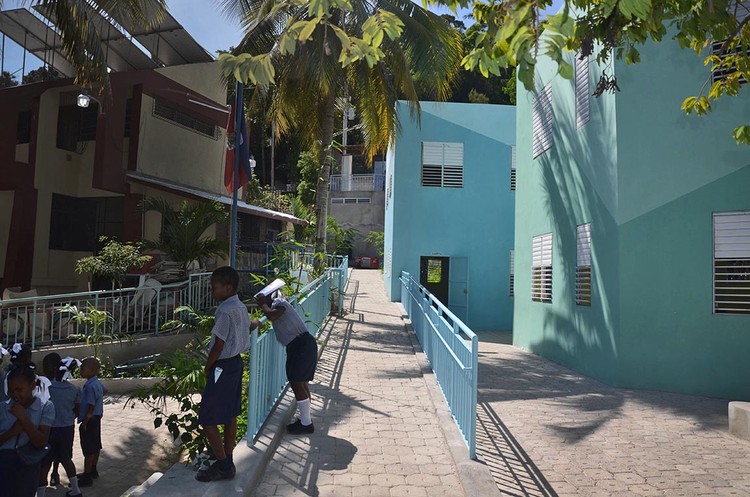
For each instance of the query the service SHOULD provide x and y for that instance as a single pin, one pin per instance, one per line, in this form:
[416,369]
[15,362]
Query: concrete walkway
[544,430]
[132,450]
[377,431]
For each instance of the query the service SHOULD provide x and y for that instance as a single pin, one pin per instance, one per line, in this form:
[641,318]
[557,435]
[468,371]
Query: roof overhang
[196,193]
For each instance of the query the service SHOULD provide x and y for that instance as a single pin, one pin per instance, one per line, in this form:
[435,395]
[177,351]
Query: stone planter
[122,386]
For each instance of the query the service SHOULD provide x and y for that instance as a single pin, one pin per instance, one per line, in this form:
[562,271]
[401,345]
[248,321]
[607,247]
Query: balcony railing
[357,182]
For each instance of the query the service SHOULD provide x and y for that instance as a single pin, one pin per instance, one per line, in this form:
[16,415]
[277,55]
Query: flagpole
[239,108]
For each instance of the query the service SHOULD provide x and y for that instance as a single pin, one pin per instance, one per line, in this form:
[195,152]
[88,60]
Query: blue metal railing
[453,351]
[267,356]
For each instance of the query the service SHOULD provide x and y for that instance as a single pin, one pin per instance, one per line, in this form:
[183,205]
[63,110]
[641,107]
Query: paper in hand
[271,287]
[217,373]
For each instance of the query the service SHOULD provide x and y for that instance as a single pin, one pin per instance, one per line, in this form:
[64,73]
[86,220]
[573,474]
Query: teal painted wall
[648,178]
[675,171]
[475,221]
[572,183]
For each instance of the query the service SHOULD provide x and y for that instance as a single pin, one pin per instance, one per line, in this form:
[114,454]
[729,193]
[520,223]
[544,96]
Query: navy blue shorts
[222,400]
[301,358]
[61,443]
[16,478]
[91,439]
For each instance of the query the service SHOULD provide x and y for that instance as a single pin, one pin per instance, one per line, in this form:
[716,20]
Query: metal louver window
[741,10]
[541,268]
[511,282]
[583,264]
[513,168]
[732,263]
[168,112]
[582,91]
[541,121]
[443,164]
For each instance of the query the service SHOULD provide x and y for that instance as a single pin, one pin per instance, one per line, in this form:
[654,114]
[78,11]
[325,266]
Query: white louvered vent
[541,268]
[511,282]
[583,94]
[542,121]
[583,264]
[513,168]
[732,262]
[443,164]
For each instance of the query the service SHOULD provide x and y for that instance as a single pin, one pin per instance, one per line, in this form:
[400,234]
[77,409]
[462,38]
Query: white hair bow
[42,388]
[66,365]
[17,348]
[3,352]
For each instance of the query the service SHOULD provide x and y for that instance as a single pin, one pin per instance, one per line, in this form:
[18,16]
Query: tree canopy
[512,35]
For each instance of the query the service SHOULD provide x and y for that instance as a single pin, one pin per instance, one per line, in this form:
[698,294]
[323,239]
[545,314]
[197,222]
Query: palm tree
[81,41]
[182,236]
[308,82]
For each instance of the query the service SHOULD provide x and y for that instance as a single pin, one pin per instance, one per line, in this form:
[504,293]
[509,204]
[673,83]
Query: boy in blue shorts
[301,354]
[221,400]
[90,419]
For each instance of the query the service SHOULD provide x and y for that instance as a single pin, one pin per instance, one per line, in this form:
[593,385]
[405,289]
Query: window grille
[443,164]
[732,263]
[169,113]
[541,268]
[356,200]
[741,10]
[583,264]
[582,91]
[511,282]
[542,119]
[513,168]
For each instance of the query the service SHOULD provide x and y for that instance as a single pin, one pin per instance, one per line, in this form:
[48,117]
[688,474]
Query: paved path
[376,428]
[544,430]
[132,451]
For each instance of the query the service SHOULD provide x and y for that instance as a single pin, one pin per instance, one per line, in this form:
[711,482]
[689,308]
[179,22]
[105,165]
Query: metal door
[458,287]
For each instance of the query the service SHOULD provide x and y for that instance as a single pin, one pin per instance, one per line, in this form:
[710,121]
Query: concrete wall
[475,221]
[362,217]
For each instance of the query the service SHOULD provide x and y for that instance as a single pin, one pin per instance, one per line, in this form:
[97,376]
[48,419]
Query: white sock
[304,411]
[74,486]
[40,491]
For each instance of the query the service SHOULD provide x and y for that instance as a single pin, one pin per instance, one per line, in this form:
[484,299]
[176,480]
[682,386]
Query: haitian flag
[244,153]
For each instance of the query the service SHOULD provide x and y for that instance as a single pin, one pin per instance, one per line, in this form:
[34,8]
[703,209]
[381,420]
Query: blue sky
[203,19]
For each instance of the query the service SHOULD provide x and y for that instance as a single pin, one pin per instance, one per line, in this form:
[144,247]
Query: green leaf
[634,8]
[565,70]
[157,422]
[307,31]
[741,134]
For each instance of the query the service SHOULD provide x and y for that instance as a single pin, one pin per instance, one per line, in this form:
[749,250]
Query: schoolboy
[90,419]
[301,354]
[221,400]
[67,400]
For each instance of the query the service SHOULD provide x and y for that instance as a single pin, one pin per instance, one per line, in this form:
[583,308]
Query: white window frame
[442,165]
[541,268]
[731,262]
[542,121]
[583,265]
[583,94]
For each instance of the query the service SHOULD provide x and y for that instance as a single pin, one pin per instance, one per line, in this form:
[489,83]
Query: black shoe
[213,473]
[70,493]
[298,428]
[94,473]
[54,479]
[85,480]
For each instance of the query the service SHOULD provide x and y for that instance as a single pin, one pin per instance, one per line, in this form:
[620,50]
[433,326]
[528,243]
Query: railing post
[252,387]
[472,436]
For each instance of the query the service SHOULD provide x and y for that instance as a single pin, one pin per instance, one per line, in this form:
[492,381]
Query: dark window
[170,113]
[23,133]
[77,223]
[128,116]
[89,116]
[68,124]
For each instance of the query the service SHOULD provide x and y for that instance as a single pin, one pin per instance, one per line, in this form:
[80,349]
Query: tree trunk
[321,191]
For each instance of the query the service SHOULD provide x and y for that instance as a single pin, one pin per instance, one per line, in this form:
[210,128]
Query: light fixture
[83,100]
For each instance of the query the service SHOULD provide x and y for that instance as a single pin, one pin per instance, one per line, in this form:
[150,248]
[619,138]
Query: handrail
[454,362]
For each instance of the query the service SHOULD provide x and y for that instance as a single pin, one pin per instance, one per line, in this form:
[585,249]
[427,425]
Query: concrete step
[139,490]
[739,420]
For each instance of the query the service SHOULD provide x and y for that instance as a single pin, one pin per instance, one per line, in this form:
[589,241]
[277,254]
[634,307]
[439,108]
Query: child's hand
[254,324]
[84,424]
[18,411]
[261,299]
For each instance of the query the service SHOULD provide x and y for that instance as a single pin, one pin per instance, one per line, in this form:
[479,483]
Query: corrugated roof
[193,192]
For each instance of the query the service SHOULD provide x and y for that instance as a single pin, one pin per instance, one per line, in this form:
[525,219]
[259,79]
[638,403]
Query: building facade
[450,203]
[633,227]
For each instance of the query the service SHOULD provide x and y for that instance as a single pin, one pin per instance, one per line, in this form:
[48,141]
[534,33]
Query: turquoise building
[633,227]
[450,206]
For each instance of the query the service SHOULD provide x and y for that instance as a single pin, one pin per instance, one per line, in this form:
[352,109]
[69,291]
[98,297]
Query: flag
[244,151]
